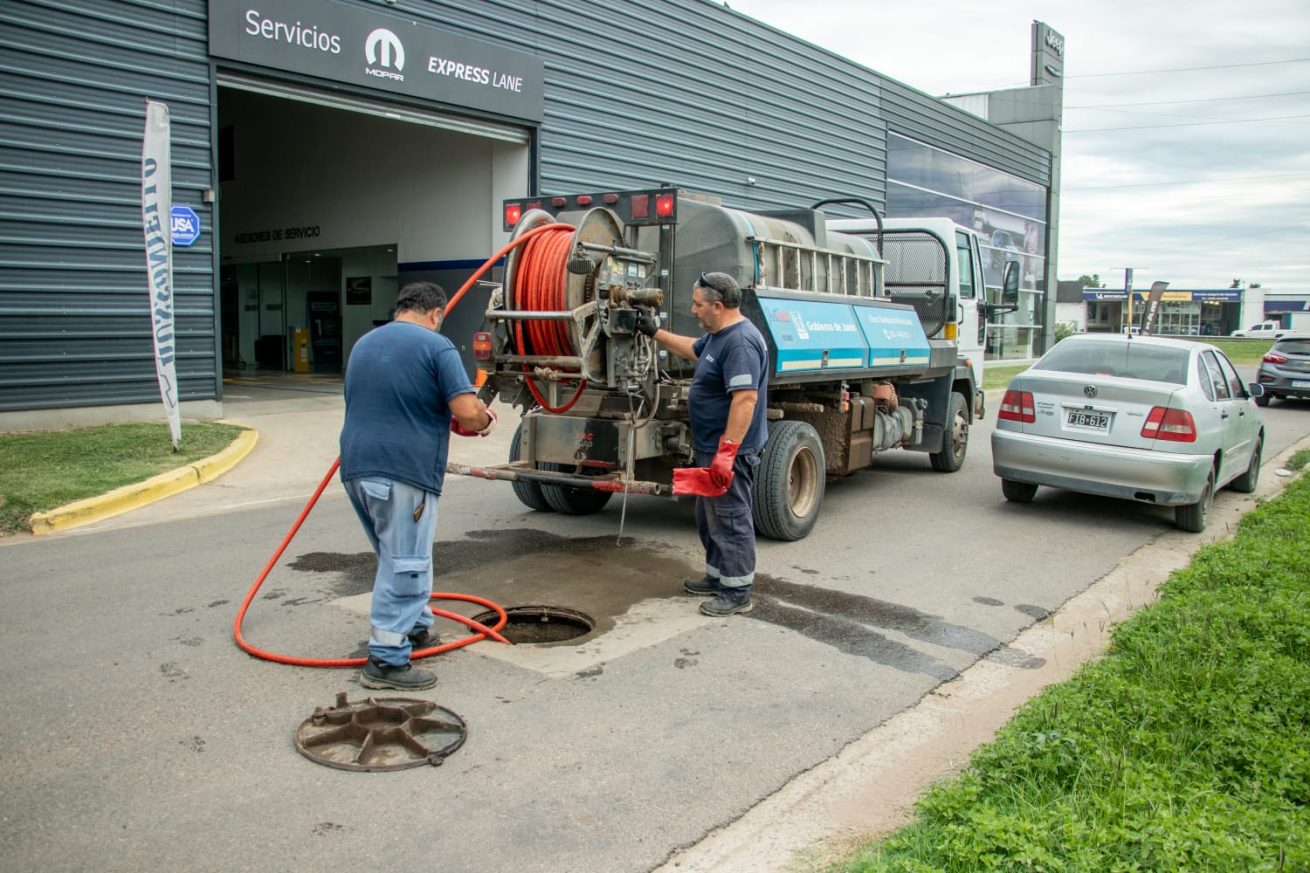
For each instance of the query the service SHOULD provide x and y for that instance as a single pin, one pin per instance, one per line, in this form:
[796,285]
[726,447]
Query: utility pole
[1128,287]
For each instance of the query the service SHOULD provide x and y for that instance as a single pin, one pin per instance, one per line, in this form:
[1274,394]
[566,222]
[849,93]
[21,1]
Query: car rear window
[1299,346]
[1131,360]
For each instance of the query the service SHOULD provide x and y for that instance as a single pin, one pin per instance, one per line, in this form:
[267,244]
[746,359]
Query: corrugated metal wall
[691,92]
[75,327]
[638,93]
[688,92]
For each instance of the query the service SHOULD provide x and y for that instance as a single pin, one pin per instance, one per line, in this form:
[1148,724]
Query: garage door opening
[328,204]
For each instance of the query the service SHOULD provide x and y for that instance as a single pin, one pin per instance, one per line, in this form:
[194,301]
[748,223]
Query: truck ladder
[782,264]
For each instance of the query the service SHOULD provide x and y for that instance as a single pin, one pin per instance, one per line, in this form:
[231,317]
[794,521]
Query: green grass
[42,471]
[1000,376]
[1186,747]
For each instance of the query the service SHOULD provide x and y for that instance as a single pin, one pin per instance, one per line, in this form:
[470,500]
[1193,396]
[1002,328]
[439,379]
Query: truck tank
[789,249]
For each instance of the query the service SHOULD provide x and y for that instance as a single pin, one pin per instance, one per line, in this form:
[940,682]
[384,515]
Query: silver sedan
[1156,420]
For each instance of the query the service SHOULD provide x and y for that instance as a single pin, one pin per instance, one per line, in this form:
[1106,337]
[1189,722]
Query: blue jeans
[727,527]
[401,522]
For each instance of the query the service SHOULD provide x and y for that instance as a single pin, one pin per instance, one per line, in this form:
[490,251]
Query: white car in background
[1160,421]
[1270,329]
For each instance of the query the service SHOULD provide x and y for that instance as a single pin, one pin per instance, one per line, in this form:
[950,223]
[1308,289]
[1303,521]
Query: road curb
[139,494]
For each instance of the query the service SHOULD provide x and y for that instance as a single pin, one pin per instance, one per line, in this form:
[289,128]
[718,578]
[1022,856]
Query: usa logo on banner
[156,219]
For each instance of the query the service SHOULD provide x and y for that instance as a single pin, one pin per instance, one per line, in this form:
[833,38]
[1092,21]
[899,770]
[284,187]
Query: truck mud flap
[611,482]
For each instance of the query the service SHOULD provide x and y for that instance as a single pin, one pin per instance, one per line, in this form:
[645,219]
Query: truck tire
[528,493]
[574,501]
[789,482]
[955,441]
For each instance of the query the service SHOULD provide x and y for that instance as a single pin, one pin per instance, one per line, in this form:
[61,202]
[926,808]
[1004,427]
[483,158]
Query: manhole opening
[527,625]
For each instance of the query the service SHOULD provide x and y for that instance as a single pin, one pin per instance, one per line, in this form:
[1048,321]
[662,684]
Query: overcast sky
[1150,179]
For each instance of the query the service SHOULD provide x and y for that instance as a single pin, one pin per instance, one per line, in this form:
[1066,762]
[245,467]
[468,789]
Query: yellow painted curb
[139,494]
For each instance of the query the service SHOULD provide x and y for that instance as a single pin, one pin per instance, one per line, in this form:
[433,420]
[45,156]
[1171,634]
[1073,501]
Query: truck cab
[936,265]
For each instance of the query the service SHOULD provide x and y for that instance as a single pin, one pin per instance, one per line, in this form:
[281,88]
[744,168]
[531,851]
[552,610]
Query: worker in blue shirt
[727,402]
[406,392]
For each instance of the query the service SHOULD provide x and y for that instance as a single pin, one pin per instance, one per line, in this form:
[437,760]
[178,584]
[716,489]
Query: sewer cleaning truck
[874,330]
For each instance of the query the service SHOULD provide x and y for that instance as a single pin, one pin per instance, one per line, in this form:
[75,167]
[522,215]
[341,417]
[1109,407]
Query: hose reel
[561,289]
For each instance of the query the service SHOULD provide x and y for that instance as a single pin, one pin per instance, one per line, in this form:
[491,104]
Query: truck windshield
[1131,360]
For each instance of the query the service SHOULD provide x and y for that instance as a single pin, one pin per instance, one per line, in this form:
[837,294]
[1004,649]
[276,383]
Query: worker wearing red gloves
[406,391]
[727,404]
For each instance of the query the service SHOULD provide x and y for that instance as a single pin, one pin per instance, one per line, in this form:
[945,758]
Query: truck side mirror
[1010,285]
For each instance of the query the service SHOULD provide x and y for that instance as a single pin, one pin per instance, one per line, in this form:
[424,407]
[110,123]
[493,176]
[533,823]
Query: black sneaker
[724,605]
[422,637]
[403,678]
[705,586]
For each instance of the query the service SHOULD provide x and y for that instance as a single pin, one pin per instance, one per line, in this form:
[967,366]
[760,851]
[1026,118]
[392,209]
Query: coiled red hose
[540,286]
[482,632]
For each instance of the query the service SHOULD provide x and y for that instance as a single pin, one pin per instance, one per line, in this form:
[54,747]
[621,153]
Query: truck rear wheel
[574,501]
[955,442]
[789,482]
[528,493]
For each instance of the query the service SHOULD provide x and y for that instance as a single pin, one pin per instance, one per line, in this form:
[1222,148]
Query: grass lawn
[1185,747]
[45,470]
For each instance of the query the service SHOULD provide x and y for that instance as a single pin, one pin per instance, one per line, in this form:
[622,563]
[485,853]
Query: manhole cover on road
[526,625]
[380,733]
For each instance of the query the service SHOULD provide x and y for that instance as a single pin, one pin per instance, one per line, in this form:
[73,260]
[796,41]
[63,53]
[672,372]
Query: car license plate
[1087,419]
[1300,383]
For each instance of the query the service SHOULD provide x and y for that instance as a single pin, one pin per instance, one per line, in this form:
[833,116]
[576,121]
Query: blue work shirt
[734,359]
[399,383]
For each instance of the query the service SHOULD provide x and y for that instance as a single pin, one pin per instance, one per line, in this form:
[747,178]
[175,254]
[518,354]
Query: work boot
[405,677]
[725,604]
[705,586]
[422,637]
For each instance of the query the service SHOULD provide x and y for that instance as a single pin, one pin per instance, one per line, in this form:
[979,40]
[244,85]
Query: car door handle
[1223,415]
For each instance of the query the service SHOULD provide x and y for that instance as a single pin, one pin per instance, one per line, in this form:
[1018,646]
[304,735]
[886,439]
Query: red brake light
[1274,358]
[584,199]
[513,212]
[482,346]
[664,205]
[1175,425]
[1017,406]
[558,202]
[640,205]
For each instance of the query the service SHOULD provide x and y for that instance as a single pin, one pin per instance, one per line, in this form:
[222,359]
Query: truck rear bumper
[612,482]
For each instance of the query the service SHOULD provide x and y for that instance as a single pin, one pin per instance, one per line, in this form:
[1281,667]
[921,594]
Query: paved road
[136,736]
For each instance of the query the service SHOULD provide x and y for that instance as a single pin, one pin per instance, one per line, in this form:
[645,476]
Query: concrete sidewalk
[295,421]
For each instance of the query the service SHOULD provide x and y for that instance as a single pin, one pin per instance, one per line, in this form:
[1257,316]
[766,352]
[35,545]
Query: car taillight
[1274,358]
[513,212]
[1017,406]
[1170,424]
[482,346]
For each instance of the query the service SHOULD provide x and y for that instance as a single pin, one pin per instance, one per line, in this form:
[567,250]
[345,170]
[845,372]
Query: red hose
[540,286]
[482,632]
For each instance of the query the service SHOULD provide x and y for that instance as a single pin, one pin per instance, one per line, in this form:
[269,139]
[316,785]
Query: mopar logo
[1089,390]
[382,48]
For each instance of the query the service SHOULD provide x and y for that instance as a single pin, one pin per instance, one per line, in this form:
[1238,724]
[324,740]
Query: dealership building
[325,152]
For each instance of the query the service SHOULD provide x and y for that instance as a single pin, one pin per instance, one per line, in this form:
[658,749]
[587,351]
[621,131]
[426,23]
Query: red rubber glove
[460,430]
[721,466]
[711,481]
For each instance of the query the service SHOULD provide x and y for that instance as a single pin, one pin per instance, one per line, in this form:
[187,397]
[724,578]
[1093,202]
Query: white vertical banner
[156,220]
